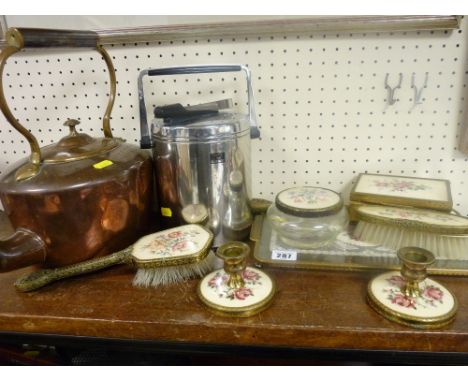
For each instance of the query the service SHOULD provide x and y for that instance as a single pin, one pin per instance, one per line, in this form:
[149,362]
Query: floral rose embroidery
[396,280]
[431,296]
[250,275]
[154,245]
[217,280]
[174,234]
[242,293]
[179,246]
[219,283]
[433,292]
[400,185]
[421,214]
[309,196]
[404,301]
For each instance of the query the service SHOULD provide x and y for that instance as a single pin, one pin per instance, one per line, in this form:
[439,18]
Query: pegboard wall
[321,101]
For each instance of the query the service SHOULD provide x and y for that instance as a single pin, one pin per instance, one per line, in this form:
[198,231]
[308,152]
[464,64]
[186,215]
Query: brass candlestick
[236,290]
[234,255]
[409,297]
[414,268]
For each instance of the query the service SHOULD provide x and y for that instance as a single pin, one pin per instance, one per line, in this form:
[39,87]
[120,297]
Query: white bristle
[154,277]
[443,247]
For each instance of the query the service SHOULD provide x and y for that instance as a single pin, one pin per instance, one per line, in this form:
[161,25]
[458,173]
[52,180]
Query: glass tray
[344,254]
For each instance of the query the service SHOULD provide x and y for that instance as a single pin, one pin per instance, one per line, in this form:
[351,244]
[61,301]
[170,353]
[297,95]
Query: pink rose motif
[217,281]
[400,186]
[397,281]
[175,234]
[155,245]
[404,301]
[250,275]
[434,293]
[242,293]
[181,245]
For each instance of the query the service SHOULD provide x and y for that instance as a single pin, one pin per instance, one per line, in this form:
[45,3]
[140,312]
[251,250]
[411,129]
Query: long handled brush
[164,257]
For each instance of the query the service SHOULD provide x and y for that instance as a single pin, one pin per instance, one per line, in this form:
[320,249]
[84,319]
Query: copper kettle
[80,197]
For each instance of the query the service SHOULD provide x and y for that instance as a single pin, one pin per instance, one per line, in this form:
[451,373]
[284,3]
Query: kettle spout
[21,249]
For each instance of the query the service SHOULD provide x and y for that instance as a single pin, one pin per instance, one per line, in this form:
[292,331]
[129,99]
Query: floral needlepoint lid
[402,191]
[408,297]
[236,290]
[308,201]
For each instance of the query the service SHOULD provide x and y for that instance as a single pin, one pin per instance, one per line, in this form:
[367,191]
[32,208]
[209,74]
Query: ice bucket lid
[225,125]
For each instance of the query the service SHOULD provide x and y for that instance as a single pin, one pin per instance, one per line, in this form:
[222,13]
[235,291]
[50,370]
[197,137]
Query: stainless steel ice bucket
[204,165]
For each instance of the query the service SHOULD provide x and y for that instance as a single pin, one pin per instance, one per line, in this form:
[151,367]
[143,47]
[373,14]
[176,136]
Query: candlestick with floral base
[236,290]
[408,297]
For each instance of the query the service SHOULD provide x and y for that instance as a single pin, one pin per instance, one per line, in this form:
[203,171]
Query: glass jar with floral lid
[307,217]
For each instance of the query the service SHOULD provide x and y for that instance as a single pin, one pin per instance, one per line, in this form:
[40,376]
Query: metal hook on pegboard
[391,90]
[418,92]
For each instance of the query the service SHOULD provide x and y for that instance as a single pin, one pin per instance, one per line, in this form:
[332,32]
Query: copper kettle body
[76,199]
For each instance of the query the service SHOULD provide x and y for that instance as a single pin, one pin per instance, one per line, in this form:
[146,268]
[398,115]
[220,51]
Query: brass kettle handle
[19,38]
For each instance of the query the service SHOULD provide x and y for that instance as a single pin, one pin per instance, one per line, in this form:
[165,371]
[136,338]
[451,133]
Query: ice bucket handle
[146,141]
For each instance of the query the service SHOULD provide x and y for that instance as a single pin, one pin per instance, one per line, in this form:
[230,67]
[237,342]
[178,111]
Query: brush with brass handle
[164,257]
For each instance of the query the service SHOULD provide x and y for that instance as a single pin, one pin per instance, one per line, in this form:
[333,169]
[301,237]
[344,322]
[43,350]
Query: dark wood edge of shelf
[182,347]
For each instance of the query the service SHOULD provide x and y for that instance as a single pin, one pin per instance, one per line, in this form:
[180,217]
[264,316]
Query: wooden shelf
[312,310]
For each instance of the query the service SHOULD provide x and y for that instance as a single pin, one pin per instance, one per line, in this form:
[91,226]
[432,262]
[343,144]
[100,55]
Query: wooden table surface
[312,309]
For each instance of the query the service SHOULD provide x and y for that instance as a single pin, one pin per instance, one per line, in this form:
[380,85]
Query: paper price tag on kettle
[167,212]
[284,255]
[103,164]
